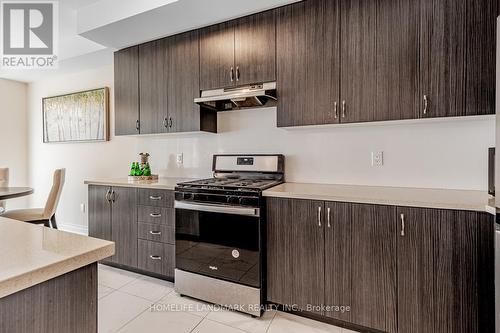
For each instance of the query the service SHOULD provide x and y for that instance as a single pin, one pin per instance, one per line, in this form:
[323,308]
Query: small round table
[14,192]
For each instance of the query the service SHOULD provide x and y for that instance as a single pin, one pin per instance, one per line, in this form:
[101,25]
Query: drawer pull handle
[214,268]
[155,257]
[155,232]
[152,197]
[155,215]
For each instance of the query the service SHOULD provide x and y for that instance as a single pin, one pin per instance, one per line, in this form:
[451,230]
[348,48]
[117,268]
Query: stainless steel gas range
[220,232]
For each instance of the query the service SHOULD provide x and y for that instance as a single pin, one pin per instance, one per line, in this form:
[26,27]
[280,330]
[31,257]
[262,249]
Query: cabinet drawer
[149,214]
[156,232]
[156,257]
[157,198]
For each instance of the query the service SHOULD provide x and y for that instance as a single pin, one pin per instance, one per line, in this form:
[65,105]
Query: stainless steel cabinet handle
[155,215]
[231,74]
[153,197]
[155,232]
[328,217]
[335,110]
[319,216]
[108,195]
[237,73]
[343,109]
[426,104]
[170,122]
[402,225]
[137,125]
[165,122]
[155,257]
[113,196]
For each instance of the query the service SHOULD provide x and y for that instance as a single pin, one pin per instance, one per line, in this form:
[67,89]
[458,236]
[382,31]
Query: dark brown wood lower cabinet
[445,277]
[338,284]
[373,266]
[124,225]
[295,253]
[397,269]
[67,303]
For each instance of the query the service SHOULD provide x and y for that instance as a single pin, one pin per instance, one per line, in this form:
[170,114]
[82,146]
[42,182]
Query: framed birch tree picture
[78,117]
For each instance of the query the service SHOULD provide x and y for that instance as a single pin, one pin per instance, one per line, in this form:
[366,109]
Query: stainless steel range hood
[251,96]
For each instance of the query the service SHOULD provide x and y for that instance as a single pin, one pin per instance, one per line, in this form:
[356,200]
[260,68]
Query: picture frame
[81,116]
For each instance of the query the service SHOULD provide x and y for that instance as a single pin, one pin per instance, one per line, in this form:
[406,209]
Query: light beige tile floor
[130,302]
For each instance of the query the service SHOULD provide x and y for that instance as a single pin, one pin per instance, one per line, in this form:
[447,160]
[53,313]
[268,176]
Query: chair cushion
[26,215]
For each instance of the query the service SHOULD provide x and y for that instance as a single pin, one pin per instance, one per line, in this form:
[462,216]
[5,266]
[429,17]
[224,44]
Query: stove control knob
[188,196]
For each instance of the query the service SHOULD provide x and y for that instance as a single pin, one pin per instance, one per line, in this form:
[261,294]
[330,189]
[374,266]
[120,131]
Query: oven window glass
[219,245]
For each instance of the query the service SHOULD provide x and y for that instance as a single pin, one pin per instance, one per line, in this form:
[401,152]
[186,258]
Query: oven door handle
[217,208]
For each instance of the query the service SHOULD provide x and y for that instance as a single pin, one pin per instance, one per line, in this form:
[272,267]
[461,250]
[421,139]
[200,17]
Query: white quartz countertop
[32,254]
[163,183]
[395,196]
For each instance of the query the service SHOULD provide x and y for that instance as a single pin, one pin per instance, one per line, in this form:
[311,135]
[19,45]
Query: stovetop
[231,184]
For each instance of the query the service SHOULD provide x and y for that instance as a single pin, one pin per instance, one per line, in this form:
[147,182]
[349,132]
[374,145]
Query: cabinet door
[445,271]
[308,63]
[442,49]
[397,60]
[481,41]
[255,48]
[359,60]
[217,56]
[124,225]
[126,71]
[184,82]
[373,266]
[153,86]
[338,234]
[295,253]
[99,213]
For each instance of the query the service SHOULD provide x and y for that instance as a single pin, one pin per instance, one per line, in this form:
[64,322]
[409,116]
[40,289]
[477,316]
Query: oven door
[219,241]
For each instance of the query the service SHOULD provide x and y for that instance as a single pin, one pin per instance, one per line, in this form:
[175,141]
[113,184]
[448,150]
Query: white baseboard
[74,228]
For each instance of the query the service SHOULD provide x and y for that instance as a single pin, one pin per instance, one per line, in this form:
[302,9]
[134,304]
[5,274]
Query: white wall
[436,154]
[13,135]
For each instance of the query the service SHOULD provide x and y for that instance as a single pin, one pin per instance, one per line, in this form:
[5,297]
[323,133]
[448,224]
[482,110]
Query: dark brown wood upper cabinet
[217,56]
[308,63]
[445,271]
[443,56]
[153,86]
[255,48]
[126,90]
[238,52]
[295,253]
[481,56]
[358,40]
[184,84]
[397,61]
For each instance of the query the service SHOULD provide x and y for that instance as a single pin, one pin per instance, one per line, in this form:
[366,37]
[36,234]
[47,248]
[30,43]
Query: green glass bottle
[138,171]
[147,170]
[132,169]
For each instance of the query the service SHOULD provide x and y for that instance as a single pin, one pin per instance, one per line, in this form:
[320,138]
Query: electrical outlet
[82,208]
[377,158]
[180,159]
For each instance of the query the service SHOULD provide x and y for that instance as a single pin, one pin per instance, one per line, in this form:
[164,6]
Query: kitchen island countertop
[32,254]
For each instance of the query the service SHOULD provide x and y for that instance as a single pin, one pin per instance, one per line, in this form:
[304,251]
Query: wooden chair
[4,182]
[46,215]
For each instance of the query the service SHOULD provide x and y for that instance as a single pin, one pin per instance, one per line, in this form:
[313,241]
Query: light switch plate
[82,207]
[377,158]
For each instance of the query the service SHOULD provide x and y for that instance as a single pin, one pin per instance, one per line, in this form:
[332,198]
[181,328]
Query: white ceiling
[90,30]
